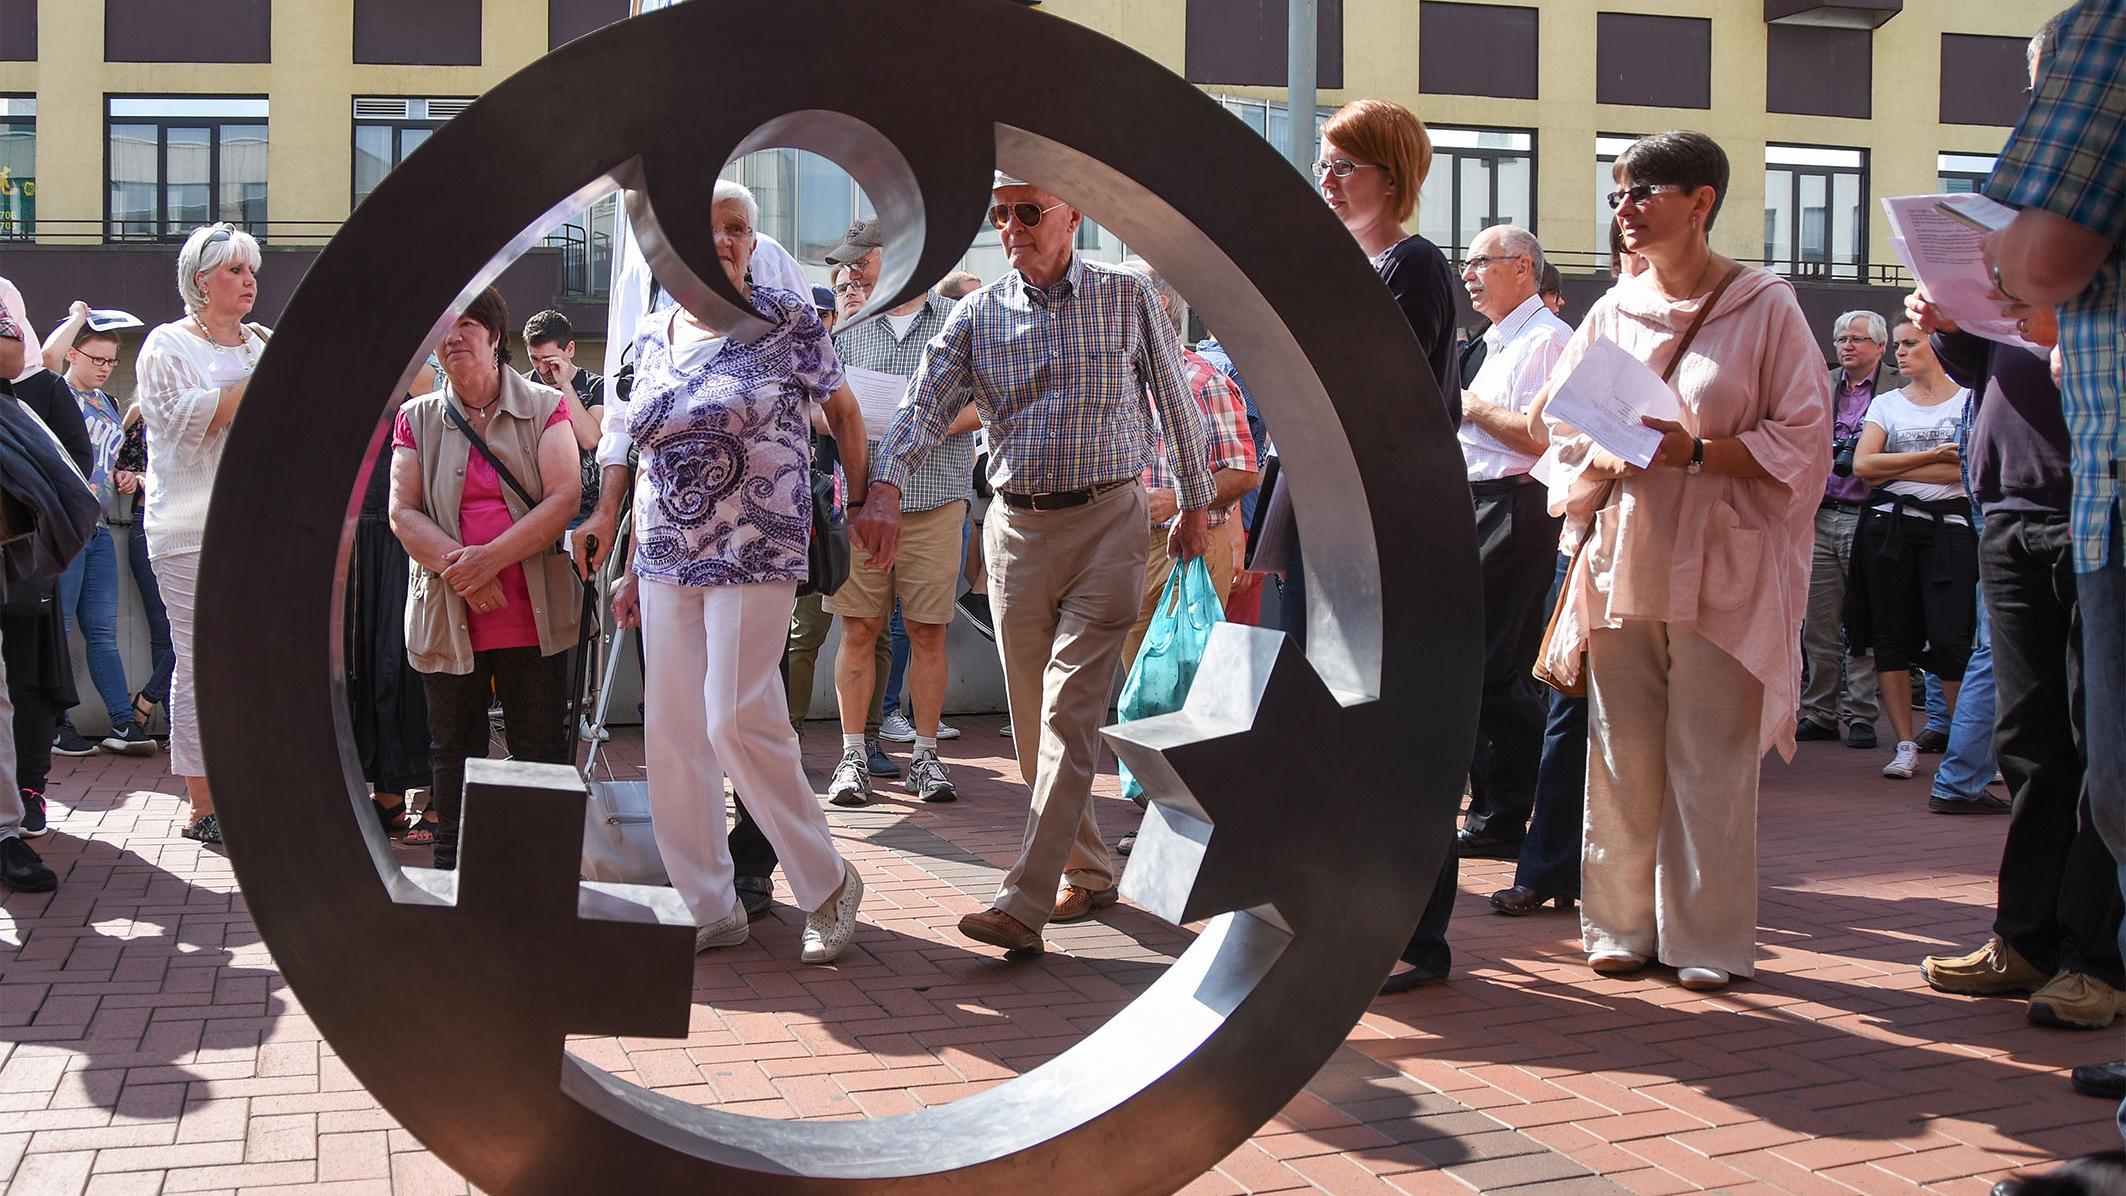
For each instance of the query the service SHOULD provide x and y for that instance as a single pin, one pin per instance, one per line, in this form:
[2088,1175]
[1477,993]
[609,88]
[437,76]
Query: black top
[1417,275]
[46,393]
[2019,449]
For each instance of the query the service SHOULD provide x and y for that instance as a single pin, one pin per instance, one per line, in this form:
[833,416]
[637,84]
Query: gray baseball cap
[862,238]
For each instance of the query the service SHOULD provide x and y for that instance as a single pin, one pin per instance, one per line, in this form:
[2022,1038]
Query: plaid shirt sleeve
[7,326]
[1225,416]
[2066,153]
[944,383]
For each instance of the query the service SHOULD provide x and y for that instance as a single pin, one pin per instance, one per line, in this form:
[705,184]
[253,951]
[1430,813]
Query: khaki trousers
[1063,586]
[1668,869]
[1158,566]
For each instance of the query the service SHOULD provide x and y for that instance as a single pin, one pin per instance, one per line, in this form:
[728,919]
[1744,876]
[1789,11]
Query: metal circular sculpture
[1301,803]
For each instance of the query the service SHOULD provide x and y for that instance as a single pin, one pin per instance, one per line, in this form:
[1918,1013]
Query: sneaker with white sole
[590,734]
[927,779]
[895,728]
[127,739]
[851,785]
[830,928]
[66,741]
[728,931]
[947,732]
[1902,764]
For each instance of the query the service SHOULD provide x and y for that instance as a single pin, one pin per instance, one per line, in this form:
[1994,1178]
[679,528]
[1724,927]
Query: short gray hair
[2046,37]
[732,189]
[209,249]
[1176,306]
[1878,331]
[1516,241]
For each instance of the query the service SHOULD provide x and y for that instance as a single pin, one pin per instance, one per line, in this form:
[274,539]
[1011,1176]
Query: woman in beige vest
[491,607]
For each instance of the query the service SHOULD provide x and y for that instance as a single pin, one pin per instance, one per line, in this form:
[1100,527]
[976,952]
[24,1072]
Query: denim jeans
[1938,719]
[157,690]
[897,669]
[1967,764]
[88,596]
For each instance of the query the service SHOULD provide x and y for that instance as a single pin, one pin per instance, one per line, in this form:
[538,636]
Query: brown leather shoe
[1074,904]
[1520,900]
[999,929]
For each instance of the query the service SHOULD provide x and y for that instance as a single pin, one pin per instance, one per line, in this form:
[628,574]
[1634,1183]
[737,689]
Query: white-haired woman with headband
[722,523]
[192,375]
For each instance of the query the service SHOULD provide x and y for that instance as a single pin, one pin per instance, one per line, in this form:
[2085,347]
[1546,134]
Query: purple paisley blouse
[727,462]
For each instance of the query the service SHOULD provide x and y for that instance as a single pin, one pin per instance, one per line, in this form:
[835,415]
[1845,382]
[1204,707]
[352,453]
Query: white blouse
[181,375]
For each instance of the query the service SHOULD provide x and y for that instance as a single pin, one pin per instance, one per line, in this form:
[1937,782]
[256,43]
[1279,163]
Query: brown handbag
[1577,687]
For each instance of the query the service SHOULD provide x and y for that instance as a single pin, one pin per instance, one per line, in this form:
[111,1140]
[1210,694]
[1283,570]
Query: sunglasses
[1027,214]
[1638,195]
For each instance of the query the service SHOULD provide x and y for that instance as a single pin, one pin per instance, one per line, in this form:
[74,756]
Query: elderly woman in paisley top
[722,524]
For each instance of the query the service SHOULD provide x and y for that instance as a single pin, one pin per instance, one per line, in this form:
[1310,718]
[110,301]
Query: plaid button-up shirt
[947,474]
[1225,418]
[1060,378]
[2068,157]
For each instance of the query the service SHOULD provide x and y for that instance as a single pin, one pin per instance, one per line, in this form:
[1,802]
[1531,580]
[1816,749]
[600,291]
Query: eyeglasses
[1027,214]
[1485,259]
[1853,340]
[1342,167]
[850,288]
[102,363]
[1638,195]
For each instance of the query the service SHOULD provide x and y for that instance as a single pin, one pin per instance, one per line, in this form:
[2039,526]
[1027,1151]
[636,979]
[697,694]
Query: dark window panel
[18,30]
[417,32]
[1659,62]
[1506,65]
[1852,14]
[195,31]
[1819,70]
[1242,43]
[567,20]
[1982,79]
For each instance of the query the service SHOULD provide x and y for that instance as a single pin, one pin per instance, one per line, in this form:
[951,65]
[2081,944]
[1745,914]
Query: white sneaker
[728,932]
[1904,762]
[590,734]
[1702,980]
[895,728]
[927,779]
[851,785]
[947,732]
[830,928]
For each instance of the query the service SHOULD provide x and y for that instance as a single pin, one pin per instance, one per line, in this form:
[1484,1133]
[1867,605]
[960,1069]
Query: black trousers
[1550,855]
[534,694]
[1517,549]
[2059,893]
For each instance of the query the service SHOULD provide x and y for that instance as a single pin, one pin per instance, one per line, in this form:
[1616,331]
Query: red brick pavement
[148,1045]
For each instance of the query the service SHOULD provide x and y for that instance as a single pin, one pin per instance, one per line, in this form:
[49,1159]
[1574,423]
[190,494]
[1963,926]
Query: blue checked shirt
[2068,157]
[1060,378]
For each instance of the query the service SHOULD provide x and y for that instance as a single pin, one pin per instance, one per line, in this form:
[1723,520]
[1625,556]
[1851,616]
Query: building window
[1271,119]
[1506,67]
[1242,43]
[1480,177]
[1963,172]
[18,168]
[1815,211]
[178,162]
[387,128]
[1608,148]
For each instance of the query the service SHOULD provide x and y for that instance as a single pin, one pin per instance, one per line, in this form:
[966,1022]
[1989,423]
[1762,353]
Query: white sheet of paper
[1605,395]
[1943,251]
[106,319]
[878,395]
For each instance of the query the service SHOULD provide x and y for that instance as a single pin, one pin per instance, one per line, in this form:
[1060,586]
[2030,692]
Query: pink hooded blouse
[1726,556]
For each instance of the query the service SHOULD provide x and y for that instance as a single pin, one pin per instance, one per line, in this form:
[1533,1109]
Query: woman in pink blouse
[1687,598]
[492,607]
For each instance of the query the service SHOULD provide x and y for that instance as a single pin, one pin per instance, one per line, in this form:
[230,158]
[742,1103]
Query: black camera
[1842,455]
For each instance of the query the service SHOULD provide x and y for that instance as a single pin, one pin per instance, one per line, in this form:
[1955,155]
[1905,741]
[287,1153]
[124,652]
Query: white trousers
[1668,868]
[713,704]
[178,576]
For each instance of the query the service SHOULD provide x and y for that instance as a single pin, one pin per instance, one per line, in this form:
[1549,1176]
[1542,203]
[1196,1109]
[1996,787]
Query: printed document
[1938,237]
[878,395]
[1605,396]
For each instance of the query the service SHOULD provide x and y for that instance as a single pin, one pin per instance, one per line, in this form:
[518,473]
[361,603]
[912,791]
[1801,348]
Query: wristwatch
[1697,456]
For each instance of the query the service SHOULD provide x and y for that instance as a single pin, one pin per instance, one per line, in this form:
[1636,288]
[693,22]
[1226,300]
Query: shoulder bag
[1577,687]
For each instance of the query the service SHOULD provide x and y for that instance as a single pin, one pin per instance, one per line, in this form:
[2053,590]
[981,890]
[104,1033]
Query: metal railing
[1865,274]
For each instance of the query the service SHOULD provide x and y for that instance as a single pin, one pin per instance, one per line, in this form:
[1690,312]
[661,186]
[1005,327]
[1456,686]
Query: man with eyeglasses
[1059,357]
[1841,690]
[923,577]
[88,590]
[1517,537]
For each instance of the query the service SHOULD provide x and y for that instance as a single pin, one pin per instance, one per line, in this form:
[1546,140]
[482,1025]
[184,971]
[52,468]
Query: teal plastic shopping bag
[1173,647]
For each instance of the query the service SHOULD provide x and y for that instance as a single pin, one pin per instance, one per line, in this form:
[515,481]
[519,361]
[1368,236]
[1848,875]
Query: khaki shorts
[925,573]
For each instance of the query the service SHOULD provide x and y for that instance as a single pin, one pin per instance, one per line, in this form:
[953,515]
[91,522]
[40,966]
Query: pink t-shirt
[482,518]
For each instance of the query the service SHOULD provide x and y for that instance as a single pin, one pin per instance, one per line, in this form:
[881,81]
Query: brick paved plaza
[147,1043]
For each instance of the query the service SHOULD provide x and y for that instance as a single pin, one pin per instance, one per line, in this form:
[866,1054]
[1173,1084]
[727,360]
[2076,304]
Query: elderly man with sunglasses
[1058,357]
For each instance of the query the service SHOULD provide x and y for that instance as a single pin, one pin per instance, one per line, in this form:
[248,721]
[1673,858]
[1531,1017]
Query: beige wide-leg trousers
[1064,587]
[1669,865]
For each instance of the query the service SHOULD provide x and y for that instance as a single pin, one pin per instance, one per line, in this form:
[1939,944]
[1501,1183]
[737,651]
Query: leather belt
[1493,487]
[1839,504]
[1057,500]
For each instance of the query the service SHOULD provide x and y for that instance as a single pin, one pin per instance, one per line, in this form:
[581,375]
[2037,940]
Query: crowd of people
[1809,550]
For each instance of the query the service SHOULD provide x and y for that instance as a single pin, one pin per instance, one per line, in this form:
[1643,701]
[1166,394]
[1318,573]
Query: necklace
[243,341]
[480,409]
